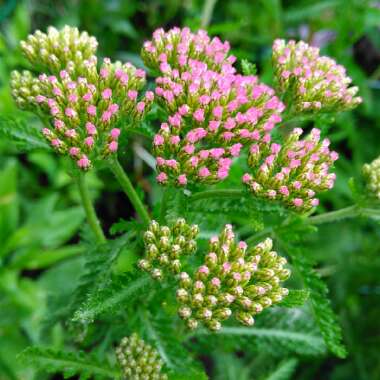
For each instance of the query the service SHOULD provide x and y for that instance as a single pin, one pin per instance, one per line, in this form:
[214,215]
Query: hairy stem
[92,219]
[222,193]
[333,216]
[129,190]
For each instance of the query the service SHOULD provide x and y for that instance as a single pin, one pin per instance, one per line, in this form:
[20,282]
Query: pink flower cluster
[85,110]
[292,173]
[313,83]
[211,116]
[177,48]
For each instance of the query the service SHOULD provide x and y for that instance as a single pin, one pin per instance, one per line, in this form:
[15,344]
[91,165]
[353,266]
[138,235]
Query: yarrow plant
[310,82]
[83,104]
[165,246]
[293,173]
[234,280]
[207,118]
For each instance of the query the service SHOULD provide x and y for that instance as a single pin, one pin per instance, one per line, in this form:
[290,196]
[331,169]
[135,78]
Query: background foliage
[43,245]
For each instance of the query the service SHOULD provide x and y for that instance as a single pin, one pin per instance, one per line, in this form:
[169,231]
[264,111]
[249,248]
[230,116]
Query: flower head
[56,49]
[292,173]
[139,360]
[314,83]
[177,48]
[211,117]
[234,280]
[82,102]
[165,246]
[371,174]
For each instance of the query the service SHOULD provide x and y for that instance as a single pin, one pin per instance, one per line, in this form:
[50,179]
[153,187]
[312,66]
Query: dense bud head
[293,173]
[81,101]
[211,117]
[139,360]
[166,245]
[54,50]
[177,48]
[313,83]
[234,280]
[371,173]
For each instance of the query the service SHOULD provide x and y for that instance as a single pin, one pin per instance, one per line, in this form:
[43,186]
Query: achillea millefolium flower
[235,280]
[292,173]
[310,82]
[82,104]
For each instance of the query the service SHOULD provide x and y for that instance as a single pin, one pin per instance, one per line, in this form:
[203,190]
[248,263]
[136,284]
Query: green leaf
[295,298]
[285,370]
[324,314]
[161,331]
[9,205]
[114,295]
[248,67]
[24,137]
[68,363]
[301,342]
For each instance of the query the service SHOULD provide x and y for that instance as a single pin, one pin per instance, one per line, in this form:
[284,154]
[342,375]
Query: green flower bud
[165,247]
[138,360]
[371,173]
[234,280]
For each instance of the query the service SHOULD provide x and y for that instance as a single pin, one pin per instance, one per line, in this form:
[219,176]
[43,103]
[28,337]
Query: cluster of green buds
[139,360]
[234,280]
[165,246]
[371,174]
[82,105]
[310,82]
[292,173]
[55,50]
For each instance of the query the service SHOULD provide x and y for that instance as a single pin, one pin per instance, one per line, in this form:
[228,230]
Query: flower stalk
[89,209]
[129,190]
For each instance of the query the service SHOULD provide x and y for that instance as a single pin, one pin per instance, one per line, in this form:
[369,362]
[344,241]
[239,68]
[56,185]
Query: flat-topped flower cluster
[312,83]
[214,113]
[234,280]
[81,103]
[293,172]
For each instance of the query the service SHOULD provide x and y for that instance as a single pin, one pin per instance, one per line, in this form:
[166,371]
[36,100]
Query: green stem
[207,11]
[222,193]
[129,190]
[333,216]
[92,219]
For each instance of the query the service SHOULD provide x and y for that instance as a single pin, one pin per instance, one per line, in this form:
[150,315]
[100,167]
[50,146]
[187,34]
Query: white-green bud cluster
[139,360]
[55,49]
[25,87]
[234,280]
[371,174]
[164,247]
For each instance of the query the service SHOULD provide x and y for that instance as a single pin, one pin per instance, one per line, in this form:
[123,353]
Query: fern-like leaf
[68,363]
[295,298]
[163,334]
[114,295]
[25,137]
[285,370]
[324,314]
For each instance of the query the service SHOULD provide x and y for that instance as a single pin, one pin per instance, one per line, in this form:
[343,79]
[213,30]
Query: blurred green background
[40,220]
